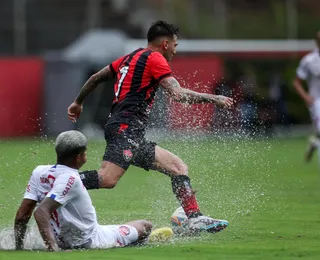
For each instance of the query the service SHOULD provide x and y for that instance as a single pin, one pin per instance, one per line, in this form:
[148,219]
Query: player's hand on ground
[53,248]
[74,111]
[223,101]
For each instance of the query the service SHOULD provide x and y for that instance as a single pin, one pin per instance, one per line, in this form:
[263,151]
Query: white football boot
[203,223]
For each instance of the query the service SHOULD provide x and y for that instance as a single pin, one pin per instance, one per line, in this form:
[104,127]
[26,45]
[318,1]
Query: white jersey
[75,222]
[309,70]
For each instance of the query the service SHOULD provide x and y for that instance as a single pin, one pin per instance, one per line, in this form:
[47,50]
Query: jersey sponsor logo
[69,185]
[124,231]
[51,180]
[127,155]
[44,180]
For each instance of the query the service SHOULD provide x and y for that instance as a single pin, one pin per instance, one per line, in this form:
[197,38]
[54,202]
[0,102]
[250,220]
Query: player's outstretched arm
[298,85]
[75,108]
[42,216]
[21,220]
[173,89]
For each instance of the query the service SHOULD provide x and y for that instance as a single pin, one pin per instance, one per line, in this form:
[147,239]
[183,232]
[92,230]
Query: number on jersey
[123,71]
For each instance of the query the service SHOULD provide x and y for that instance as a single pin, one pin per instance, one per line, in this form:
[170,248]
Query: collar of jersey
[61,166]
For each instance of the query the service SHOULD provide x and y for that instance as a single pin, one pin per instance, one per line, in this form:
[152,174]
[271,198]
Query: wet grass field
[263,187]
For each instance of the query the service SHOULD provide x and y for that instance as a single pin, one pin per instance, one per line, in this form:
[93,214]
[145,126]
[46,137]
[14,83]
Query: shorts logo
[51,180]
[127,155]
[130,141]
[124,231]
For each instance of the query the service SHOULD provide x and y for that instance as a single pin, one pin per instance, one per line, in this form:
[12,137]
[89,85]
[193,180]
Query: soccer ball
[161,234]
[179,220]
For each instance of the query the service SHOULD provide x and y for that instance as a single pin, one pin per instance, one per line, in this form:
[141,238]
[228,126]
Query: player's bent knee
[108,183]
[109,175]
[107,180]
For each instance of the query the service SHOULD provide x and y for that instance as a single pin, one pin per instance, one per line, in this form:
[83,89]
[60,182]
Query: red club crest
[127,155]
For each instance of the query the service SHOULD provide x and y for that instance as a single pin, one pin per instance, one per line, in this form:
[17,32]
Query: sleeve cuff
[302,76]
[165,76]
[30,197]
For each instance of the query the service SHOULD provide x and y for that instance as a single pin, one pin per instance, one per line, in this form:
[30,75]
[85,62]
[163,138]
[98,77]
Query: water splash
[33,240]
[232,175]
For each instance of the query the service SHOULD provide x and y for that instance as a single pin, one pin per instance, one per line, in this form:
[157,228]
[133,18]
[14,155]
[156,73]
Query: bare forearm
[92,83]
[42,219]
[183,95]
[20,228]
[21,220]
[87,89]
[193,97]
[299,88]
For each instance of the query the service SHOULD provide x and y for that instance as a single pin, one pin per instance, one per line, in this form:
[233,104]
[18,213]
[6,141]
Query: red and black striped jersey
[137,77]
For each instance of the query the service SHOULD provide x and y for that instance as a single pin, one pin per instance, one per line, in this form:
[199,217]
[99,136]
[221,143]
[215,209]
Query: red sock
[182,188]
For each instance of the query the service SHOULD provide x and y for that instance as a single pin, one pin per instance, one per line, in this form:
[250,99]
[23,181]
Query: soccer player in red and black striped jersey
[138,75]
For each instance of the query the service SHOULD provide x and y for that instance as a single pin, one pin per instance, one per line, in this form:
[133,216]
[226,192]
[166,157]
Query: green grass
[263,187]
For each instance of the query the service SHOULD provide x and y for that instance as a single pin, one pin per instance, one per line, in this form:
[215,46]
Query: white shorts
[114,236]
[315,114]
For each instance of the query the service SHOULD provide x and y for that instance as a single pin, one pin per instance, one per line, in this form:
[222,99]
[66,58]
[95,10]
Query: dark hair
[160,29]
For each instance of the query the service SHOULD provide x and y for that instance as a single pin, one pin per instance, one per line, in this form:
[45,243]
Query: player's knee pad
[108,182]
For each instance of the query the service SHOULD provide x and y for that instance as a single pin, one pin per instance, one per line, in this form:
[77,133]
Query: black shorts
[127,145]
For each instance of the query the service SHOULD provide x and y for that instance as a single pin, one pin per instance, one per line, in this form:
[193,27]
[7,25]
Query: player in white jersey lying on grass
[309,71]
[65,215]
